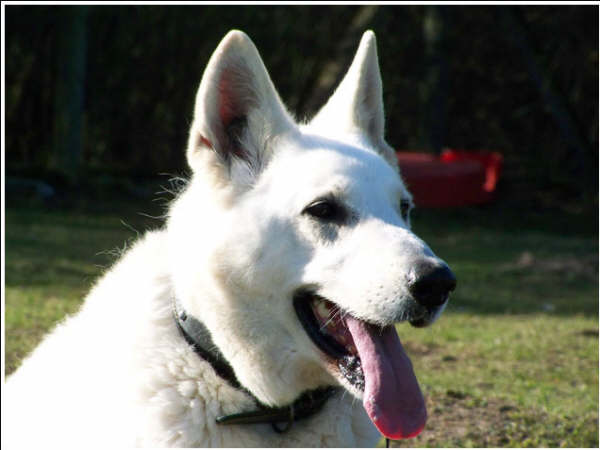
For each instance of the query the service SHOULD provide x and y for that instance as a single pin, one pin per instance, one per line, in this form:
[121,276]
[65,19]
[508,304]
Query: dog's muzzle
[430,283]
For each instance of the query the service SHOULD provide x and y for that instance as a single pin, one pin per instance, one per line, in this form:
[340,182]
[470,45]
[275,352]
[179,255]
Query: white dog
[266,306]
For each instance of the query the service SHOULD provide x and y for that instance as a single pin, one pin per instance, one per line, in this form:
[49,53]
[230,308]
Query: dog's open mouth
[372,360]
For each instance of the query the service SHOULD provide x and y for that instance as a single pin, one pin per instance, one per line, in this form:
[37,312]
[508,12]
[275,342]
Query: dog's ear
[237,110]
[356,106]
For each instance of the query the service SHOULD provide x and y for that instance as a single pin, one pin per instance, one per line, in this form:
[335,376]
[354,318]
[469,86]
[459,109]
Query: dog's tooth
[322,310]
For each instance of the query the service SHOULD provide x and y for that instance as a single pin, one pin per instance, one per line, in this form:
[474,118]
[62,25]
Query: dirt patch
[434,356]
[419,349]
[585,266]
[456,420]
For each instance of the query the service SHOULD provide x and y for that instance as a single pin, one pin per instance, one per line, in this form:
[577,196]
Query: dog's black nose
[432,284]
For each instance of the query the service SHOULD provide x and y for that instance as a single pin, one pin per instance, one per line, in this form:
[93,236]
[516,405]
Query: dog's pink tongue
[392,396]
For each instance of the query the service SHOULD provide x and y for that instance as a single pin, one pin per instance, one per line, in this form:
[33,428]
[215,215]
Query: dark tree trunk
[436,79]
[69,93]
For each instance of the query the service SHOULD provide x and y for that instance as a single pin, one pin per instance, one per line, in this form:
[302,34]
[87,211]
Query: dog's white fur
[235,248]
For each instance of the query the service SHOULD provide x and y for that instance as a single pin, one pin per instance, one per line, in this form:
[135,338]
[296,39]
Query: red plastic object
[456,178]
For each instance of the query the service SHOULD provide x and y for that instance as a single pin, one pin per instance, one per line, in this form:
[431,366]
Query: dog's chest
[181,396]
[340,424]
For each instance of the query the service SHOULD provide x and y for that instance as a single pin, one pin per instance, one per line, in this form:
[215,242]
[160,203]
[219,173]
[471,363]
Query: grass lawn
[512,362]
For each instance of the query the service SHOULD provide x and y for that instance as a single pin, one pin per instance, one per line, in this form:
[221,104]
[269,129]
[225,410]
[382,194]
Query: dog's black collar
[198,336]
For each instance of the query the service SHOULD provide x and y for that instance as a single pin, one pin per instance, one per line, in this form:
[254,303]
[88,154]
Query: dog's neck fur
[197,335]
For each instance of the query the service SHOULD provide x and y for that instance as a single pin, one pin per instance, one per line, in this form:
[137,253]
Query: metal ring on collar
[289,423]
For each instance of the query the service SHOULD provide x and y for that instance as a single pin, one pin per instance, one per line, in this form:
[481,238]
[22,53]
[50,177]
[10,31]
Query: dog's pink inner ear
[227,110]
[233,103]
[203,142]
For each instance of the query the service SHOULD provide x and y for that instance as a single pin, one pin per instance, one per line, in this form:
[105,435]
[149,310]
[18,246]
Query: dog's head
[292,243]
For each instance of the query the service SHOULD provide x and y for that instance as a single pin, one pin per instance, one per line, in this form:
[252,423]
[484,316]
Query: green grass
[52,259]
[512,362]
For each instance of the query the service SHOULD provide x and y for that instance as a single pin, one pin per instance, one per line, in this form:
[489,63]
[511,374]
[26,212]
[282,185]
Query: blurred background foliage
[103,95]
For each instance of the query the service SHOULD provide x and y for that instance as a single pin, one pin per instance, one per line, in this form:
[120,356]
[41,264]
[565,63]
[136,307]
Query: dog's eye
[405,209]
[325,210]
